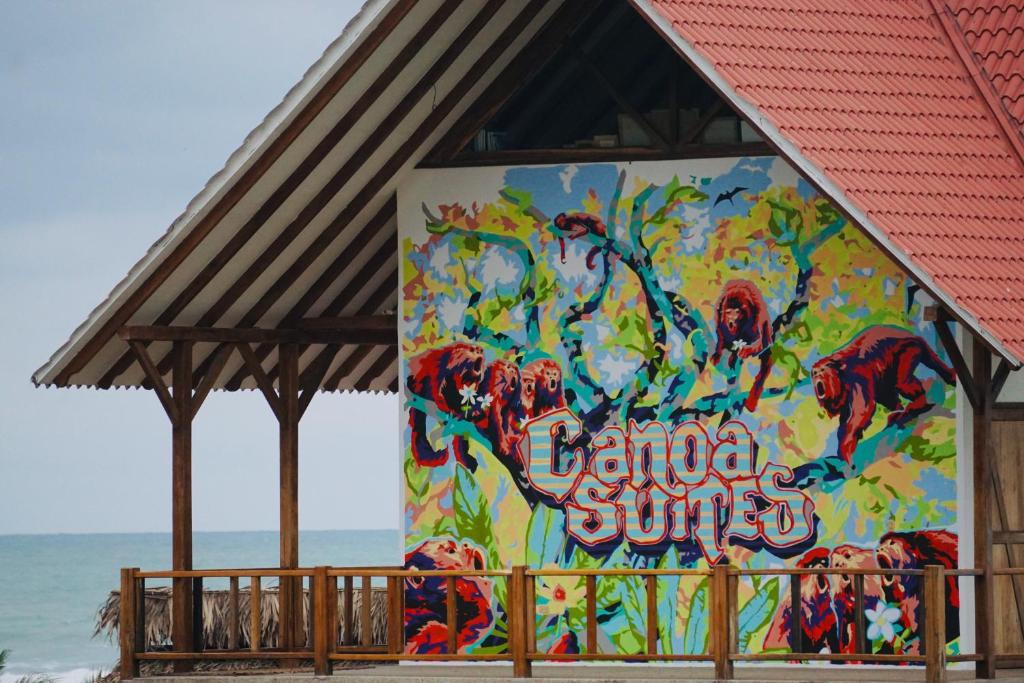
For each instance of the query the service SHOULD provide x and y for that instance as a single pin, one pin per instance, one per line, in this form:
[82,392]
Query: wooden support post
[452,615]
[652,614]
[591,584]
[348,612]
[290,595]
[796,631]
[720,637]
[255,617]
[182,634]
[984,603]
[517,641]
[322,636]
[126,627]
[396,615]
[233,613]
[934,624]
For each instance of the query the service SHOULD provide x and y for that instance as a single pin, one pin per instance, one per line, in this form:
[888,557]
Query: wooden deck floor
[592,674]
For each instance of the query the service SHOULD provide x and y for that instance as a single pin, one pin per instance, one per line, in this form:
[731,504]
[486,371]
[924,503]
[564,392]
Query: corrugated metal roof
[873,104]
[300,222]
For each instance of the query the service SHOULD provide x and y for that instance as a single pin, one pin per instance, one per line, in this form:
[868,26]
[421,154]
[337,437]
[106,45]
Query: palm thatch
[215,617]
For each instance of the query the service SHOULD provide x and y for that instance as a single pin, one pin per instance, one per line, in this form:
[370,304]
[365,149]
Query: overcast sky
[113,116]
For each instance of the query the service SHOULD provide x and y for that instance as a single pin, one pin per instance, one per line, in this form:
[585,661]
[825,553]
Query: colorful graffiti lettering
[603,366]
[648,485]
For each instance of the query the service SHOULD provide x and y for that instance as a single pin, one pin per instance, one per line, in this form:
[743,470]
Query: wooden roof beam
[375,330]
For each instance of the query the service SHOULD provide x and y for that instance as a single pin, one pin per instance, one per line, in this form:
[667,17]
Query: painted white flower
[468,393]
[882,619]
[485,401]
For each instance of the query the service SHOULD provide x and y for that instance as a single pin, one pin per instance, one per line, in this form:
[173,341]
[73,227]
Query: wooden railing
[324,647]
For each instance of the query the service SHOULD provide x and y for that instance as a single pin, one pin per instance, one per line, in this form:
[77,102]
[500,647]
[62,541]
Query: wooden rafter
[702,123]
[386,321]
[246,182]
[513,157]
[219,360]
[998,381]
[369,270]
[263,382]
[156,380]
[620,98]
[347,366]
[384,291]
[963,372]
[352,252]
[388,357]
[379,331]
[313,376]
[548,41]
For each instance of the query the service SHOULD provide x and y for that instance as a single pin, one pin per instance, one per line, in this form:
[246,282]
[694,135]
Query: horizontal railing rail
[330,624]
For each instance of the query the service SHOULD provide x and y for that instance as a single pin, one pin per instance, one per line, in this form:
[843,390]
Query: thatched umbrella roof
[215,617]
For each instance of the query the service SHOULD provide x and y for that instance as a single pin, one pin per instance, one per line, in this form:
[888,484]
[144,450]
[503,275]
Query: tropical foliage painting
[665,365]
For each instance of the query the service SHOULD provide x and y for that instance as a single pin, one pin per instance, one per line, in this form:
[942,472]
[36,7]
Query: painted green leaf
[695,633]
[545,536]
[473,515]
[417,480]
[757,612]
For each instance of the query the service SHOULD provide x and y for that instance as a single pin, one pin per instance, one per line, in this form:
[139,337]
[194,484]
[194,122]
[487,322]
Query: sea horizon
[55,583]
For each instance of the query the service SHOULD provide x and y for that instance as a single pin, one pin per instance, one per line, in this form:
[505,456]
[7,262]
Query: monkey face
[815,558]
[552,377]
[733,318]
[850,556]
[893,552]
[544,378]
[828,385]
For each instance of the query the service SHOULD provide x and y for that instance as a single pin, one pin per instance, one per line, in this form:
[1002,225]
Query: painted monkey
[915,550]
[577,225]
[745,330]
[448,376]
[503,395]
[426,626]
[542,387]
[875,367]
[818,629]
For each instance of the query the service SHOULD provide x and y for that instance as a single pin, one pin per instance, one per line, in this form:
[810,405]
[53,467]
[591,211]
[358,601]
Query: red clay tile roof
[994,32]
[873,103]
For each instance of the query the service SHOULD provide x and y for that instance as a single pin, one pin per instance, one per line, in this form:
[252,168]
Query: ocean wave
[71,676]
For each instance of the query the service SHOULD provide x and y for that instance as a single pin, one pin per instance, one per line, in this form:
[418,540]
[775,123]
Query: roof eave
[814,175]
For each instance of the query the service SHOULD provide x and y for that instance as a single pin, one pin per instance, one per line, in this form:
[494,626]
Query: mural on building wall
[665,364]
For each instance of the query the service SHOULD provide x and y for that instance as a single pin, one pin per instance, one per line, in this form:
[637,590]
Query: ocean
[51,586]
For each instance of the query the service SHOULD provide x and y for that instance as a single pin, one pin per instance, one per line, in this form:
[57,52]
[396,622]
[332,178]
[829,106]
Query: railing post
[321,623]
[719,638]
[934,624]
[396,615]
[126,627]
[198,627]
[517,637]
